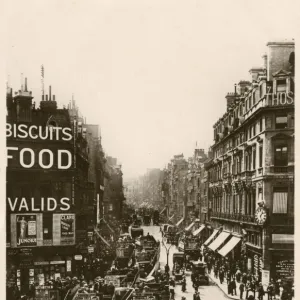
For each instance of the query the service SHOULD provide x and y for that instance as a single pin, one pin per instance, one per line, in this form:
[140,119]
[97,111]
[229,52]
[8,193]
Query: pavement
[210,292]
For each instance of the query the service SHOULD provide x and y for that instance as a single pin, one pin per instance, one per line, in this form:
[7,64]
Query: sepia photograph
[149,150]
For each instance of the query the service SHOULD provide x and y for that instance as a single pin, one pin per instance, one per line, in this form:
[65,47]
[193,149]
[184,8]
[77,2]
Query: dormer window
[281,85]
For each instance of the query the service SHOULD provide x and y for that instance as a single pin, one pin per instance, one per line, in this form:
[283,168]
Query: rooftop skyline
[152,74]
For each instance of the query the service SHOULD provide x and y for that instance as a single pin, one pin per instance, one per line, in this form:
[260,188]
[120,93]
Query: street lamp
[167,251]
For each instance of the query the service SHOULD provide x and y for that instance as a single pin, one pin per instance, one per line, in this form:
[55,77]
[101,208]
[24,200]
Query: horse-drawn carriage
[199,273]
[178,265]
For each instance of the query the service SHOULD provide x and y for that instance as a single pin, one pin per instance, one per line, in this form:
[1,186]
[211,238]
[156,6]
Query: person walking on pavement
[233,287]
[270,290]
[238,275]
[221,275]
[242,288]
[248,288]
[183,285]
[260,292]
[196,296]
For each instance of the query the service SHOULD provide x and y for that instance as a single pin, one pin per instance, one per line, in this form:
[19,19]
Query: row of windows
[283,202]
[282,121]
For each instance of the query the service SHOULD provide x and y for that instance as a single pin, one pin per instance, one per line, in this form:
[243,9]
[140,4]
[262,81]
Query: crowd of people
[246,283]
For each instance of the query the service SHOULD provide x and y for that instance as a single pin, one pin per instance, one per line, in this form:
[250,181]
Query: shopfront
[254,260]
[282,256]
[283,264]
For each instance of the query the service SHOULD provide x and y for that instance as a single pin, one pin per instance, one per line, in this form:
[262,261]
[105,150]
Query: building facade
[54,188]
[251,175]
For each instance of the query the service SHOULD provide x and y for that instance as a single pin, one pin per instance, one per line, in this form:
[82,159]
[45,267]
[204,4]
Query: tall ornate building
[251,175]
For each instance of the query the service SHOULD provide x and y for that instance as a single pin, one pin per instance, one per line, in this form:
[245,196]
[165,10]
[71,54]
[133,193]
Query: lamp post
[167,251]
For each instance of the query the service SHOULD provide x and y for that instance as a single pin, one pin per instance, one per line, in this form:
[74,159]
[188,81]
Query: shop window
[281,155]
[47,226]
[281,122]
[280,200]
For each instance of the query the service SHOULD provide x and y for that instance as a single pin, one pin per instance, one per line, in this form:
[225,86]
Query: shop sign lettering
[33,205]
[279,98]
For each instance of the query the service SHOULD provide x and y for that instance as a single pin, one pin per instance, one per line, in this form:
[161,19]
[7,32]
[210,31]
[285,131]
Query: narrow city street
[211,292]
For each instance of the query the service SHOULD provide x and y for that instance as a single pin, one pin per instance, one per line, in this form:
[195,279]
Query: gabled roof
[282,73]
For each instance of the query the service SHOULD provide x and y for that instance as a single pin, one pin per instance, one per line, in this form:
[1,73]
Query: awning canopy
[179,222]
[190,226]
[211,237]
[219,240]
[229,246]
[197,231]
[162,210]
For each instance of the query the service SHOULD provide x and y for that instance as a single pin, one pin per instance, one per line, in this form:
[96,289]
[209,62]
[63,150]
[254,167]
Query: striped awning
[190,226]
[197,231]
[280,203]
[229,246]
[179,222]
[219,240]
[211,237]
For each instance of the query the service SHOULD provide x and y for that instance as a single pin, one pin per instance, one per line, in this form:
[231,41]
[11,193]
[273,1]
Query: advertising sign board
[63,229]
[26,230]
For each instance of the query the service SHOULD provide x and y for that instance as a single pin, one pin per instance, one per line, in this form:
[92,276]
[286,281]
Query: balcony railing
[233,217]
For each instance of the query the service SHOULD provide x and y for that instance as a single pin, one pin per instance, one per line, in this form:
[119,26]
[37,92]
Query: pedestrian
[229,288]
[242,288]
[253,287]
[244,278]
[183,285]
[196,296]
[270,290]
[260,291]
[221,275]
[233,287]
[248,288]
[31,292]
[238,275]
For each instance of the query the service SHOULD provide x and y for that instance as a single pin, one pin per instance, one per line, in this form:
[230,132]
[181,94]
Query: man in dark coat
[242,289]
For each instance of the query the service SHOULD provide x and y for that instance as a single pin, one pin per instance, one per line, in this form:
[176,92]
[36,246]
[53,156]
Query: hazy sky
[153,74]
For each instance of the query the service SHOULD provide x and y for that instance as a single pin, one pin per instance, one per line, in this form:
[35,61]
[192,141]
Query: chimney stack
[53,97]
[46,97]
[265,59]
[49,92]
[25,84]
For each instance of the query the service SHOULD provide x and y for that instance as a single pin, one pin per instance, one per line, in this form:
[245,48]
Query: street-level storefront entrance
[254,260]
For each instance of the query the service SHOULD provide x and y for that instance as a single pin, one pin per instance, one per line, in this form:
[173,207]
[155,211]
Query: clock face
[260,216]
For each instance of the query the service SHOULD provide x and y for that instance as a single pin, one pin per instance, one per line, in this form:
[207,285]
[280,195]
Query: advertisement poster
[265,278]
[67,226]
[63,229]
[26,230]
